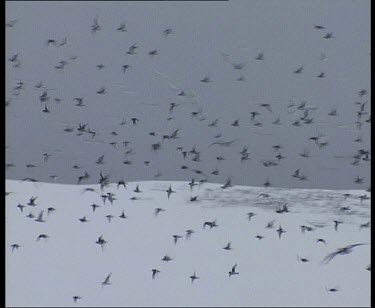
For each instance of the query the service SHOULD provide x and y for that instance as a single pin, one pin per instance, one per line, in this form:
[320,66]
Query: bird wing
[329,257]
[40,217]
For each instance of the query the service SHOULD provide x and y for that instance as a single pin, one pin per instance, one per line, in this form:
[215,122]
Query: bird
[227,184]
[40,217]
[175,238]
[318,27]
[328,35]
[169,191]
[280,231]
[320,240]
[32,201]
[135,120]
[270,224]
[337,222]
[193,277]
[211,224]
[106,280]
[154,272]
[121,182]
[95,27]
[332,289]
[228,246]
[167,258]
[153,52]
[101,241]
[188,233]
[132,49]
[158,210]
[15,246]
[20,206]
[83,219]
[249,215]
[123,216]
[259,237]
[124,68]
[304,260]
[167,32]
[102,90]
[298,70]
[109,217]
[340,251]
[40,236]
[233,270]
[94,206]
[76,298]
[122,27]
[260,56]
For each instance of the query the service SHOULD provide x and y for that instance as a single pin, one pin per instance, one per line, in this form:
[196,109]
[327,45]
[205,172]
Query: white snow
[50,272]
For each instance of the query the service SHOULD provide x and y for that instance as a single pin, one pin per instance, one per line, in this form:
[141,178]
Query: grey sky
[202,31]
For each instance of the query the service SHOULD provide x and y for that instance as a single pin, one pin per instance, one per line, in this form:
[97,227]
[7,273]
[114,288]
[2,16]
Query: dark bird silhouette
[188,233]
[15,246]
[132,49]
[318,27]
[193,277]
[154,272]
[83,219]
[175,238]
[76,298]
[101,242]
[228,246]
[227,184]
[125,67]
[122,27]
[233,271]
[169,191]
[336,222]
[340,251]
[329,35]
[106,280]
[40,236]
[40,217]
[260,56]
[158,210]
[167,32]
[298,70]
[211,224]
[280,231]
[167,258]
[250,215]
[123,216]
[32,201]
[95,26]
[20,206]
[102,90]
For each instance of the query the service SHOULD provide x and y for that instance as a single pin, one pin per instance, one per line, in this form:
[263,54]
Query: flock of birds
[106,192]
[303,112]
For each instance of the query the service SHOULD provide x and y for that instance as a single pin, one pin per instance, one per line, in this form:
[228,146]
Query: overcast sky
[207,39]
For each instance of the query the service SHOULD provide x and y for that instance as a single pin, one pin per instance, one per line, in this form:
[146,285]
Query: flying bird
[154,272]
[106,280]
[193,277]
[341,251]
[233,271]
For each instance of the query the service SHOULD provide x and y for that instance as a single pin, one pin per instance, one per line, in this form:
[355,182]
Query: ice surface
[49,272]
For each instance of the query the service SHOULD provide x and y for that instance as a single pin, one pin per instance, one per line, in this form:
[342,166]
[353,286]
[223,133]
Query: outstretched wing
[329,257]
